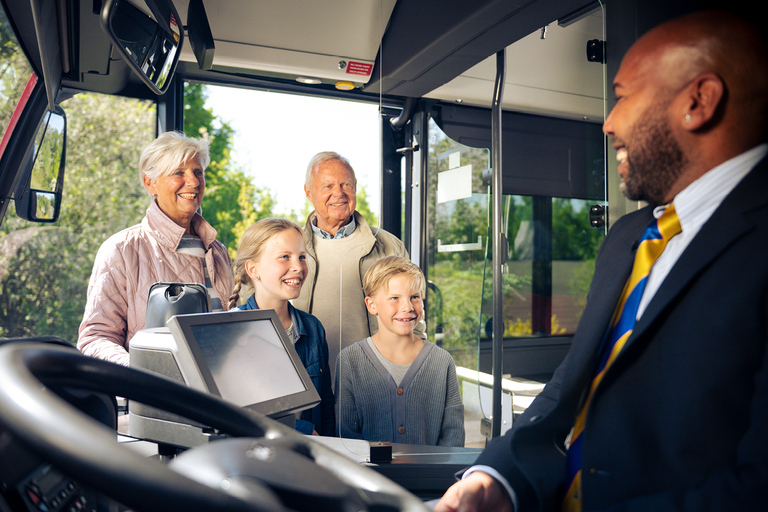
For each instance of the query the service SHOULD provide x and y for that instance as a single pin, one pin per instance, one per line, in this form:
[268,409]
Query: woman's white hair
[170,150]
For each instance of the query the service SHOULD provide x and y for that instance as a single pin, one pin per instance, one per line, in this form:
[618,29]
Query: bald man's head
[690,94]
[713,42]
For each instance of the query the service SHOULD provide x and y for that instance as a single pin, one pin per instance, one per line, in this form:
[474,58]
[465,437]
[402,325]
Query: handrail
[508,384]
[499,247]
[399,121]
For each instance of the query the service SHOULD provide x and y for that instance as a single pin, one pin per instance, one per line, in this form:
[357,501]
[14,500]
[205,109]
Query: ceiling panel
[549,75]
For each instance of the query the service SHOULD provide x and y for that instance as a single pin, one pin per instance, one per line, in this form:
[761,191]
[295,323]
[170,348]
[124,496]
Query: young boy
[394,386]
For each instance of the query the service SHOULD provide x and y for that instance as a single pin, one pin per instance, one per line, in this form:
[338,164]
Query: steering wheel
[265,466]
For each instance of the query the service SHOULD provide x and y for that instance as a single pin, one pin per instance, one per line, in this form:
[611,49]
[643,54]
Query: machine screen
[246,358]
[247,361]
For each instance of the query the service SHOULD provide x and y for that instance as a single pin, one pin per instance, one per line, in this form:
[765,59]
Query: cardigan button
[400,391]
[401,430]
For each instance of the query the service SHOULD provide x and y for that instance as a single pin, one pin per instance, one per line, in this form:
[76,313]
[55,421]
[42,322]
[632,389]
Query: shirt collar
[696,203]
[343,232]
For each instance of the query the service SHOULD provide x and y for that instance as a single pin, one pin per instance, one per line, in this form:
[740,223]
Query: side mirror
[151,48]
[39,199]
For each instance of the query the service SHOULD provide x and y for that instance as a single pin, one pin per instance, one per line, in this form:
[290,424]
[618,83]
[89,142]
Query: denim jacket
[313,352]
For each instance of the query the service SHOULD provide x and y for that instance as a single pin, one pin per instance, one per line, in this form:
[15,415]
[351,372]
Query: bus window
[274,135]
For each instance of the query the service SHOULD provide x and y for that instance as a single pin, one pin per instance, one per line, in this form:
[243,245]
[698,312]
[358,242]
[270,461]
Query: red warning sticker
[359,68]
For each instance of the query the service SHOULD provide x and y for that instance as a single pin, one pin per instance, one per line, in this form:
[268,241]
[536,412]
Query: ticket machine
[244,357]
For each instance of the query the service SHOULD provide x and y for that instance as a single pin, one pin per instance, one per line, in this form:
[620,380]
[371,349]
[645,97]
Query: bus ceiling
[397,48]
[423,48]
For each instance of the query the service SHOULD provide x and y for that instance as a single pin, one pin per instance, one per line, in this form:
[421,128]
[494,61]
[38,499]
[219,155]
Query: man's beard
[656,161]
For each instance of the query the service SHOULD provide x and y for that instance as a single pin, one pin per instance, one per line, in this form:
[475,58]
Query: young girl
[394,386]
[271,259]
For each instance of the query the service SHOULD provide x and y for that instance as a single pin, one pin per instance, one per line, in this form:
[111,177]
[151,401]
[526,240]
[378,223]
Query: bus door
[552,219]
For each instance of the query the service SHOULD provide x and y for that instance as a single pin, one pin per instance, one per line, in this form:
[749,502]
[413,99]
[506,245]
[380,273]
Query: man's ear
[306,193]
[370,305]
[705,95]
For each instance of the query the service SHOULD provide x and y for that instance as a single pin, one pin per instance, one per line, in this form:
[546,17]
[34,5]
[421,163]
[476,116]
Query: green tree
[231,202]
[254,204]
[14,71]
[44,269]
[572,236]
[364,208]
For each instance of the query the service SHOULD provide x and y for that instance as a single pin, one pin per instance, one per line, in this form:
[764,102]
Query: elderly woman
[173,243]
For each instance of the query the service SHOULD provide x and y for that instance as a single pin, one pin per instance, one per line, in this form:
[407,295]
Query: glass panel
[551,245]
[270,139]
[545,293]
[457,245]
[457,251]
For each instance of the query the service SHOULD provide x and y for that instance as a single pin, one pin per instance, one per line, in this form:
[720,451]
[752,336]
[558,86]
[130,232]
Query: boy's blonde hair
[251,247]
[384,270]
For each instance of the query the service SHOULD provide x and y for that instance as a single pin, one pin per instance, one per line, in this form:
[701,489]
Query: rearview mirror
[151,48]
[39,199]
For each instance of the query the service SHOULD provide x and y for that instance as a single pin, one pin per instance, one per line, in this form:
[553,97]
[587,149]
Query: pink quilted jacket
[128,264]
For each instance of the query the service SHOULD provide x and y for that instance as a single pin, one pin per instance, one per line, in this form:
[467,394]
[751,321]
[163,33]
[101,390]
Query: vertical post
[418,192]
[408,189]
[541,301]
[390,218]
[170,107]
[499,241]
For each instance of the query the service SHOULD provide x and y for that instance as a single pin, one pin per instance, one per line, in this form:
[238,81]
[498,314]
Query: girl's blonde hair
[252,246]
[385,269]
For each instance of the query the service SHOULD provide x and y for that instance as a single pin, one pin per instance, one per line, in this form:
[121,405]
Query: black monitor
[246,358]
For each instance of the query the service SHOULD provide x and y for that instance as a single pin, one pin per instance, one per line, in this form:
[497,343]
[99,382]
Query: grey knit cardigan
[425,409]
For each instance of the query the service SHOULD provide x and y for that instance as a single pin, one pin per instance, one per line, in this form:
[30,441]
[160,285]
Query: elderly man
[662,402]
[341,247]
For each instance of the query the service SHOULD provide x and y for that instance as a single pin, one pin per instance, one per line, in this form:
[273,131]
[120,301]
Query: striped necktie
[655,238]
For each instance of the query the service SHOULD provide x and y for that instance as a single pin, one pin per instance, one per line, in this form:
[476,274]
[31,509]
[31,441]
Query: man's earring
[687,118]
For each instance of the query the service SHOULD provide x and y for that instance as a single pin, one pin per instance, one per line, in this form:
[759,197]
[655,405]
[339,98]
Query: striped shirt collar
[343,231]
[697,202]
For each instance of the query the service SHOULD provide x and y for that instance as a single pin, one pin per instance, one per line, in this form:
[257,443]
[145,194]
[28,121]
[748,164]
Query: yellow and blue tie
[655,238]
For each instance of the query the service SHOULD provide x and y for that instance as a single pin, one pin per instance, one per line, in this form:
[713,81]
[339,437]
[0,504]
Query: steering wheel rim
[87,450]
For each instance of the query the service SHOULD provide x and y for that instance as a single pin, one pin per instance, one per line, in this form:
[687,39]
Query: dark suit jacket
[680,421]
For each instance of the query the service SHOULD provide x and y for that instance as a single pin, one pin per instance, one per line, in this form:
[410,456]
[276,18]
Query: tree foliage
[232,202]
[14,71]
[46,268]
[364,208]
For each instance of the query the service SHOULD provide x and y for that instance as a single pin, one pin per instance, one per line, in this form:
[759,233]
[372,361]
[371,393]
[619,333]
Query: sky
[276,135]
